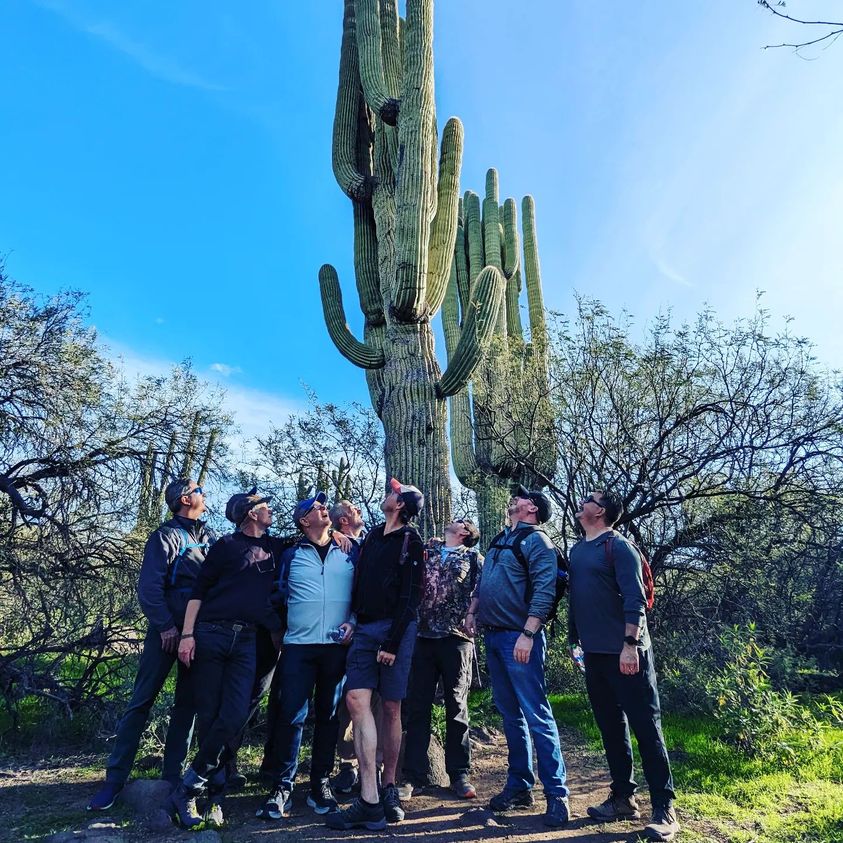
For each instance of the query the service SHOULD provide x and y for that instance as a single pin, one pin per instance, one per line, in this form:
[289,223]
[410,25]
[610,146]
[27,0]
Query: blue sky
[174,160]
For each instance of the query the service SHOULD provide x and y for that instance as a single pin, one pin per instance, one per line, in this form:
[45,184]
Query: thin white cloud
[669,272]
[160,66]
[224,369]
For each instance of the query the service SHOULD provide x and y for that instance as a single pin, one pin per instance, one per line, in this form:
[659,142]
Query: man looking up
[385,600]
[514,598]
[444,650]
[230,599]
[317,578]
[172,558]
[608,620]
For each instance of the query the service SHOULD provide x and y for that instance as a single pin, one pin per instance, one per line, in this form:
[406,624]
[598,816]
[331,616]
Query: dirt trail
[37,801]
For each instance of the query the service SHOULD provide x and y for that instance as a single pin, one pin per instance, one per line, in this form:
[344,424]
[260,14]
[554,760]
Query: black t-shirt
[237,578]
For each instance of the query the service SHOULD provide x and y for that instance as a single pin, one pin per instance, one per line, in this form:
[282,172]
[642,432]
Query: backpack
[186,543]
[561,565]
[646,570]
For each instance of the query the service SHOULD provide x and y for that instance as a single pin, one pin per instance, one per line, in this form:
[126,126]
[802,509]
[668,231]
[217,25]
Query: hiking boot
[664,825]
[616,807]
[277,805]
[410,789]
[391,802]
[182,806]
[557,812]
[510,798]
[321,797]
[462,787]
[346,780]
[358,814]
[213,814]
[105,797]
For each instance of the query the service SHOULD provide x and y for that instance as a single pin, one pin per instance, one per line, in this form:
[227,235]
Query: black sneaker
[557,812]
[346,780]
[509,798]
[105,797]
[616,807]
[462,787]
[182,806]
[391,802]
[321,797]
[664,825]
[277,805]
[358,814]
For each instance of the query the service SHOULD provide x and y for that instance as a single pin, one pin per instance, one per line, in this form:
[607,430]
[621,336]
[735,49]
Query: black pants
[306,670]
[450,658]
[621,702]
[223,673]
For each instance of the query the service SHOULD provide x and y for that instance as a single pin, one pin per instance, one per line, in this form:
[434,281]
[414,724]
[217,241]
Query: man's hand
[523,648]
[470,624]
[170,639]
[343,541]
[347,633]
[385,658]
[187,650]
[629,660]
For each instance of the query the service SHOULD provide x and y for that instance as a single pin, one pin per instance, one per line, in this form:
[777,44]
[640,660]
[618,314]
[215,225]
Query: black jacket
[173,556]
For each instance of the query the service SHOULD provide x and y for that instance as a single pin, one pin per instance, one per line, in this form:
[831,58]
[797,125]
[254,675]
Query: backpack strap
[405,547]
[185,544]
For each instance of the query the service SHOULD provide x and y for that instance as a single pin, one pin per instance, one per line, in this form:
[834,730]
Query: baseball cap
[412,497]
[303,507]
[541,500]
[238,505]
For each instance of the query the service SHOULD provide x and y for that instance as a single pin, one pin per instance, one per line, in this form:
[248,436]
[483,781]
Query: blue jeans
[153,669]
[223,674]
[520,696]
[306,670]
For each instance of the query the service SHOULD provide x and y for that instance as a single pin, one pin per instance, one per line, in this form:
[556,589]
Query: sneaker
[664,825]
[346,780]
[410,789]
[321,797]
[616,807]
[462,787]
[277,805]
[557,812]
[508,799]
[213,815]
[105,797]
[182,806]
[358,814]
[391,802]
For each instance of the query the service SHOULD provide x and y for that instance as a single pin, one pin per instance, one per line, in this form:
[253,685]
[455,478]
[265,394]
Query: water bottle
[337,635]
[579,657]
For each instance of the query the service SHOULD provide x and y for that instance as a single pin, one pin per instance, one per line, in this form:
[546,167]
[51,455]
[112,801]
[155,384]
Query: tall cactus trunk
[413,419]
[492,498]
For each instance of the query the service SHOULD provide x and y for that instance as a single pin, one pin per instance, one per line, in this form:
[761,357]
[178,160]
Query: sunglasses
[590,499]
[197,491]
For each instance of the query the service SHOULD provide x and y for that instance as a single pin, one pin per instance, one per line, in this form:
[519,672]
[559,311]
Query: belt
[236,626]
[489,628]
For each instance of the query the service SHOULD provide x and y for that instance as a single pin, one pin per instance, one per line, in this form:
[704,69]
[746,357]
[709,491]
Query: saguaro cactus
[405,224]
[503,416]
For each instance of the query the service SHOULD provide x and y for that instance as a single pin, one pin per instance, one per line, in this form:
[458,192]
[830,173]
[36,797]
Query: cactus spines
[406,214]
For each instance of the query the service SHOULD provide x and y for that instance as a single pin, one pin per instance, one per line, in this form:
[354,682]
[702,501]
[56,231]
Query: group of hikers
[343,622]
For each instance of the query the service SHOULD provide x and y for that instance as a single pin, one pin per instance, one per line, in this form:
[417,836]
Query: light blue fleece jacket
[319,594]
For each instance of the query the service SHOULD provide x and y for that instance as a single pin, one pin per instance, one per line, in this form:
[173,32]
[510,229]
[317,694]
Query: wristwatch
[633,642]
[528,632]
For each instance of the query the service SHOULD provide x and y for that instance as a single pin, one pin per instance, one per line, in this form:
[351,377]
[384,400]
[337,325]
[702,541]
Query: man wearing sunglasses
[229,601]
[173,556]
[607,618]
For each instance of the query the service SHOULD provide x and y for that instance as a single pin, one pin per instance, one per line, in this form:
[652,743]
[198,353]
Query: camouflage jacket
[449,581]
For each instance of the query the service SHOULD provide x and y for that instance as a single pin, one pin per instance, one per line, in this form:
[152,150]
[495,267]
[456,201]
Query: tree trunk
[492,498]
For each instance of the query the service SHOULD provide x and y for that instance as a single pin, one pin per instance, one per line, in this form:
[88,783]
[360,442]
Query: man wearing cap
[230,599]
[316,580]
[607,618]
[444,650]
[514,599]
[385,600]
[172,558]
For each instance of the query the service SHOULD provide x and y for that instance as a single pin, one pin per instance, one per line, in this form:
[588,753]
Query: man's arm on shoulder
[159,552]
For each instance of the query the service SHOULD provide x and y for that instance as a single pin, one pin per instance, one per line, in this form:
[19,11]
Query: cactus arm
[366,263]
[353,182]
[414,185]
[371,56]
[190,447]
[209,453]
[443,231]
[514,328]
[532,273]
[491,222]
[478,327]
[461,261]
[510,238]
[361,354]
[474,237]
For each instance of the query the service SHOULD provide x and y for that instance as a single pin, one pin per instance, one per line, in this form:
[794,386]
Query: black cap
[540,499]
[238,505]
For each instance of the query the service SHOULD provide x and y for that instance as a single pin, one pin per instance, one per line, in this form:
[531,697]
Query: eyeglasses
[590,499]
[198,490]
